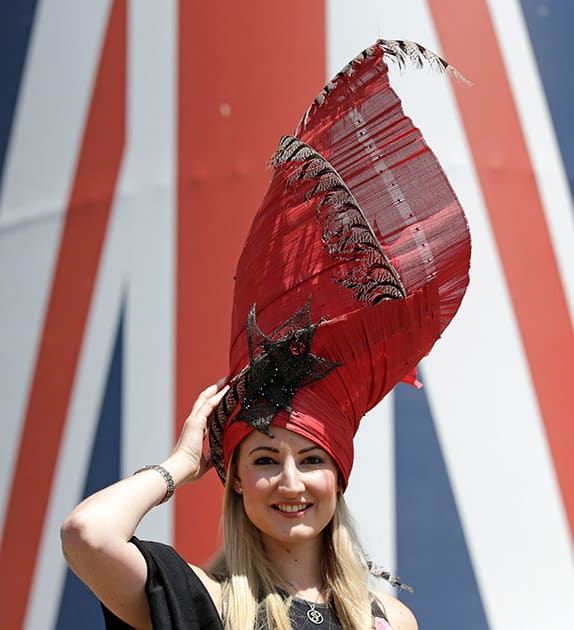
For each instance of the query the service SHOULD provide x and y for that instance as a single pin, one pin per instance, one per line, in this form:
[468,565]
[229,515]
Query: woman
[355,263]
[297,535]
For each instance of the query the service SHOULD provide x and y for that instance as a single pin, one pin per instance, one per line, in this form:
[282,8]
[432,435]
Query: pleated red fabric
[361,225]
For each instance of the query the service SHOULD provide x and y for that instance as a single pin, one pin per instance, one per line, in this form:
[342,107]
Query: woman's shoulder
[399,616]
[211,583]
[167,567]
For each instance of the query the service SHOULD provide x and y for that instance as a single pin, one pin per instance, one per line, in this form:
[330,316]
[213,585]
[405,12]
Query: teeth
[292,508]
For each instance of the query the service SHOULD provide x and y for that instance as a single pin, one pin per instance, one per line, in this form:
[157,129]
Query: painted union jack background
[134,138]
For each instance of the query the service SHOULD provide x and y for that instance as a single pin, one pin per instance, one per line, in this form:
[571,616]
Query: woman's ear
[236,484]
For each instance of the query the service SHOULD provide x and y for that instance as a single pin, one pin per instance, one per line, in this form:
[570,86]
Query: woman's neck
[298,567]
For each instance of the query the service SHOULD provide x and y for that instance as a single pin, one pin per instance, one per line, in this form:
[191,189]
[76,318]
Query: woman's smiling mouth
[291,508]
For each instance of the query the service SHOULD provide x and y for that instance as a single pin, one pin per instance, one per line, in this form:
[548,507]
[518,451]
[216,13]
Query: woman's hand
[188,455]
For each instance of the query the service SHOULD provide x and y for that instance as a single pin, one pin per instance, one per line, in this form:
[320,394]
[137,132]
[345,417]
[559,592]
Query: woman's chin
[298,533]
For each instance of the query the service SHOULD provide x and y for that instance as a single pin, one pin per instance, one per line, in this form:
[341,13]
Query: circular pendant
[314,616]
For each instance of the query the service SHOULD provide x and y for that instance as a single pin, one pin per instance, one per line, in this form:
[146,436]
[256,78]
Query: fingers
[210,404]
[213,392]
[222,382]
[206,402]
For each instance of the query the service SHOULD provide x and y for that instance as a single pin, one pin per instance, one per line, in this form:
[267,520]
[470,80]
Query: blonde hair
[248,577]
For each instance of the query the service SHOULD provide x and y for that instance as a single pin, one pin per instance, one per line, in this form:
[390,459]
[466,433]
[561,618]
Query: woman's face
[289,485]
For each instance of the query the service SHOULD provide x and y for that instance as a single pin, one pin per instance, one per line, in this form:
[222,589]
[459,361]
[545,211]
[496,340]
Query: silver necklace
[313,615]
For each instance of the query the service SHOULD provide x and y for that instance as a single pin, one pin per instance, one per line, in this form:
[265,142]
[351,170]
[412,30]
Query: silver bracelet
[170,485]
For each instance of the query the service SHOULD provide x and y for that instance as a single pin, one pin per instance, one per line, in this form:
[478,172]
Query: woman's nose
[291,479]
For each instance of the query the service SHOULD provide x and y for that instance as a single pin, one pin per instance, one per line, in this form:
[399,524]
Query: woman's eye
[264,461]
[313,459]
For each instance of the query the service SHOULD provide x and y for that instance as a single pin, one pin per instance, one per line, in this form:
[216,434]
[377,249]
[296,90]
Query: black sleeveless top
[178,600]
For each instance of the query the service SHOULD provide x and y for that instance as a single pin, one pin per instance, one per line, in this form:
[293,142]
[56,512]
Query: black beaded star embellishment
[279,365]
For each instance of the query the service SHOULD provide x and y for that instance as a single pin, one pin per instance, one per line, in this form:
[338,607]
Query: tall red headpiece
[355,263]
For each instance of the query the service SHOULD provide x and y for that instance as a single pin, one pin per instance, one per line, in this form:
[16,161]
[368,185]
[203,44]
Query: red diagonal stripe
[517,217]
[247,72]
[75,272]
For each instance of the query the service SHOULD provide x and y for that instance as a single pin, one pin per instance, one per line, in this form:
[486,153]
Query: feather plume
[402,51]
[393,580]
[347,234]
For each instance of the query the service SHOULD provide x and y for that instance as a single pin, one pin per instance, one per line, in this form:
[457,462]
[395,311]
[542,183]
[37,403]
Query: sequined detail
[279,365]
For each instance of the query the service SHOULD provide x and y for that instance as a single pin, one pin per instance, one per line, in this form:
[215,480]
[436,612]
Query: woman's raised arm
[95,536]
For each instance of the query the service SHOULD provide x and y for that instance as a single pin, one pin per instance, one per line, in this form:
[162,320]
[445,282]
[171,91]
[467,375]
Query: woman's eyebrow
[315,447]
[272,449]
[264,448]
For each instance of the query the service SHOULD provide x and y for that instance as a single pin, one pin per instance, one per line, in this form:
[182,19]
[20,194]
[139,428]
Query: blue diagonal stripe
[78,607]
[16,20]
[550,26]
[432,554]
